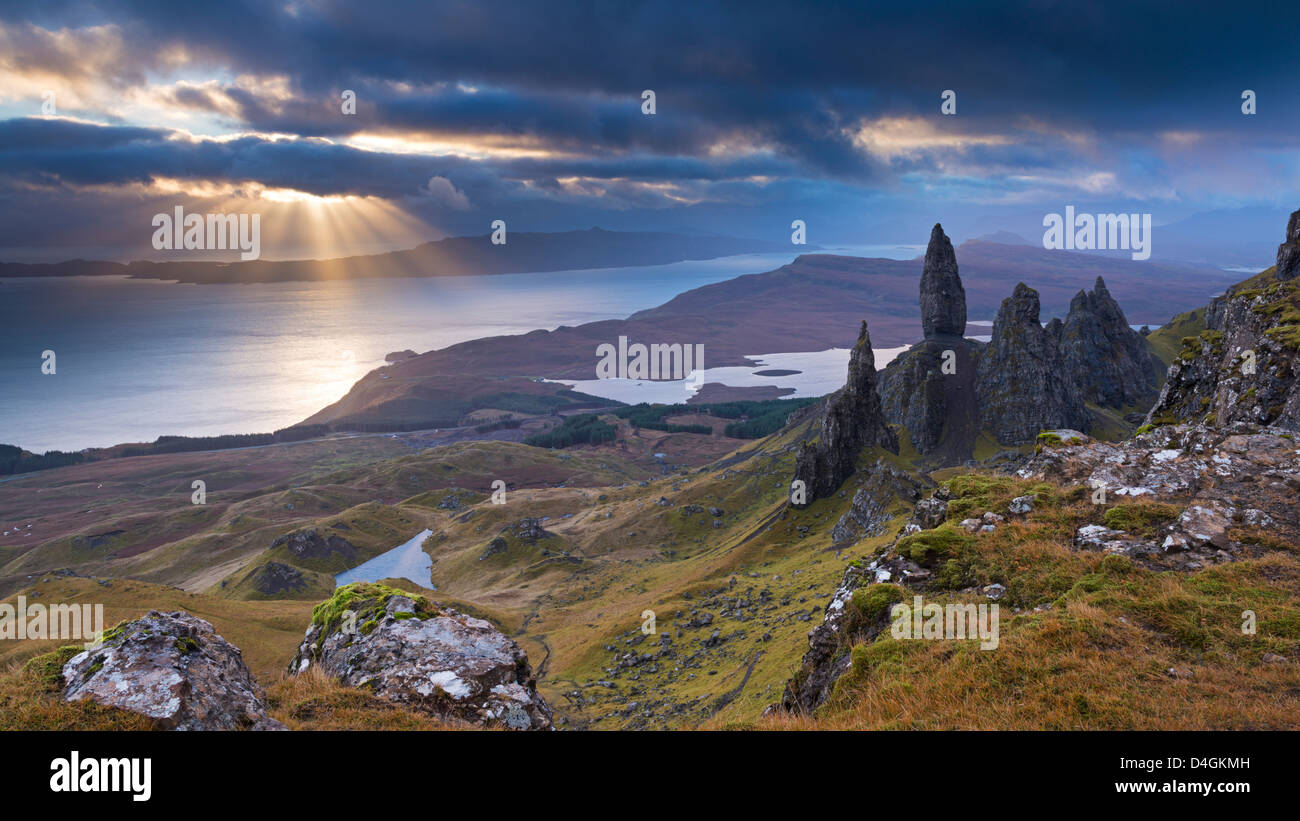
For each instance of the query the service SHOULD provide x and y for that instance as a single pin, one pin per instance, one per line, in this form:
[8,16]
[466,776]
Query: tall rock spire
[943,299]
[852,420]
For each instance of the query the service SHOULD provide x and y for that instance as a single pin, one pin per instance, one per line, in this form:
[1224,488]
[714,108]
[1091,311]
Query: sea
[134,359]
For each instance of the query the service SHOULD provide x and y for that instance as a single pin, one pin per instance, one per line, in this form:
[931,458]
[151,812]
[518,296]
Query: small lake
[406,561]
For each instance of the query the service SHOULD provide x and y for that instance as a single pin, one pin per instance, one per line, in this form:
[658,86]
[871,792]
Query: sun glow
[300,225]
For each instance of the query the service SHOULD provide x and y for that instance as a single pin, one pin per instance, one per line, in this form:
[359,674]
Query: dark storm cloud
[1113,63]
[748,92]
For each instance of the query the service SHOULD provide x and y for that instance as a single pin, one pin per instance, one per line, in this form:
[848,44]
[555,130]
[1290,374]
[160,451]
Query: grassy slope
[1087,641]
[1167,340]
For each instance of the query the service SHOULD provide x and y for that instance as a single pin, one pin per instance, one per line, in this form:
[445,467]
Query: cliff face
[1243,367]
[852,420]
[1109,361]
[1288,253]
[1023,385]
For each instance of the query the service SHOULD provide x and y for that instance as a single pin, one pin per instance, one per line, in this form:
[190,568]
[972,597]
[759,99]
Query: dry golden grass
[30,700]
[316,701]
[1099,659]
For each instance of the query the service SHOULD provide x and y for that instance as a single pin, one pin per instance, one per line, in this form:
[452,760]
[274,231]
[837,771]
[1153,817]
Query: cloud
[444,193]
[762,106]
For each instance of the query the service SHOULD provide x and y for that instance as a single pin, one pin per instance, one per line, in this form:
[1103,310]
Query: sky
[468,112]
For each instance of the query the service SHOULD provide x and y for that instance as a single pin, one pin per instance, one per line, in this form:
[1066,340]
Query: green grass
[1166,341]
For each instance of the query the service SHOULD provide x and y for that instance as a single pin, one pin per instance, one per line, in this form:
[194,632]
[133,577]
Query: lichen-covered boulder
[408,650]
[174,669]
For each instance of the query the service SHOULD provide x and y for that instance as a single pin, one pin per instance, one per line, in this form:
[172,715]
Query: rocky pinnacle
[1022,385]
[853,420]
[943,299]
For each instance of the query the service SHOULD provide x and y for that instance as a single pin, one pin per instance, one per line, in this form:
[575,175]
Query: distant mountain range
[455,256]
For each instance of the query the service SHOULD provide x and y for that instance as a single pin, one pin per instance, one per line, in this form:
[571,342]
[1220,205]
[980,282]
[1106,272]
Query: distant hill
[455,256]
[1005,238]
[811,304]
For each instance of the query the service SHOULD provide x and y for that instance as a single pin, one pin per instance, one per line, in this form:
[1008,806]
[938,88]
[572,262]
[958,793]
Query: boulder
[1022,504]
[410,651]
[174,669]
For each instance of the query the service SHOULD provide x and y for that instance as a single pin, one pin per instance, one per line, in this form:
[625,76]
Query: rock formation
[943,299]
[1288,253]
[852,420]
[274,578]
[947,390]
[1245,367]
[174,669]
[1221,482]
[873,504]
[1022,384]
[431,658]
[930,389]
[309,544]
[1109,361]
[1208,480]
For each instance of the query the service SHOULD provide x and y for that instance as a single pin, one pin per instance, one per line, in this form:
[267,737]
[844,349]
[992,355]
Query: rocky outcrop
[943,299]
[1230,491]
[1022,383]
[852,421]
[1245,367]
[1288,253]
[844,623]
[1110,362]
[309,544]
[408,650]
[827,657]
[274,578]
[174,669]
[873,503]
